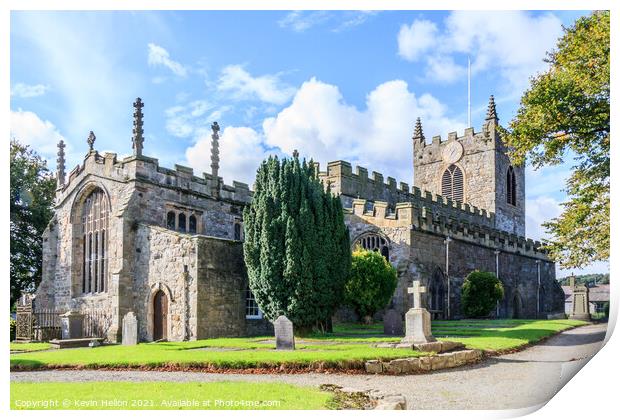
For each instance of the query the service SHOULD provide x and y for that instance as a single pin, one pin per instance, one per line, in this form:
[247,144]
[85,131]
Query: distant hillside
[586,279]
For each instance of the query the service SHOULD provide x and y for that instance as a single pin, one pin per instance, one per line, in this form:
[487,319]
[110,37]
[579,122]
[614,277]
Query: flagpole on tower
[468,92]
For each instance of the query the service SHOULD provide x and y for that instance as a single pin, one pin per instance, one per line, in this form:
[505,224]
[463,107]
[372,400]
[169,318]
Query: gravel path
[519,380]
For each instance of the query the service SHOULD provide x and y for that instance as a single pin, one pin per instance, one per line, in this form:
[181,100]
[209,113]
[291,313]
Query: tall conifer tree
[296,247]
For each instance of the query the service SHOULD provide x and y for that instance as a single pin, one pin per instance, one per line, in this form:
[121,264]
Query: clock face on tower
[452,152]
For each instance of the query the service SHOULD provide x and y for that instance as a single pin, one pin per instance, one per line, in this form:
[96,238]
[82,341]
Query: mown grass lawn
[348,347]
[485,334]
[230,353]
[500,334]
[30,346]
[166,395]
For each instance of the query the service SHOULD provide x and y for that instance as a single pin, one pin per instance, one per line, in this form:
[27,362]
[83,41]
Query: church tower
[473,169]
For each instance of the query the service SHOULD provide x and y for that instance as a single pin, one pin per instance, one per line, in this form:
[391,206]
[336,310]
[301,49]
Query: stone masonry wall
[139,192]
[352,186]
[509,217]
[221,284]
[417,250]
[477,164]
[60,287]
[167,261]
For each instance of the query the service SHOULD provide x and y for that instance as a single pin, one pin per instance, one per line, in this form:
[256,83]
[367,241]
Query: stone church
[166,244]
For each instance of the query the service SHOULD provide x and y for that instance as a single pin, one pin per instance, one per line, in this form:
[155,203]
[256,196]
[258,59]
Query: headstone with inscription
[392,323]
[283,327]
[130,329]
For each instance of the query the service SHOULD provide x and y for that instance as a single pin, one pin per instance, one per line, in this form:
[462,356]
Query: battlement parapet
[147,169]
[468,133]
[487,133]
[425,219]
[342,180]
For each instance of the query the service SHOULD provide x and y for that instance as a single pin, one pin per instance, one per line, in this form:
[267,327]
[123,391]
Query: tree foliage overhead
[371,284]
[567,109]
[479,294]
[296,248]
[32,193]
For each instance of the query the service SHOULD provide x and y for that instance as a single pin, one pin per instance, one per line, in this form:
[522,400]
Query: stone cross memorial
[283,327]
[392,323]
[130,329]
[417,319]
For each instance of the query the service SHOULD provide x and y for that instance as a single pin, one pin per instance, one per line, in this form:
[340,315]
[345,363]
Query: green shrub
[480,292]
[606,309]
[13,326]
[371,284]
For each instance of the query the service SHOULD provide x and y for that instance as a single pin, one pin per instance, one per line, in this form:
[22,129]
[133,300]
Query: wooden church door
[160,316]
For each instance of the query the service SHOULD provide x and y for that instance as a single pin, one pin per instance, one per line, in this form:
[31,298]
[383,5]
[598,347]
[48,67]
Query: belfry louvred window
[95,217]
[452,183]
[511,187]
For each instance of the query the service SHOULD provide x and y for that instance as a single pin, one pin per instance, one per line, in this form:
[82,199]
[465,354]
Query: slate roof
[599,293]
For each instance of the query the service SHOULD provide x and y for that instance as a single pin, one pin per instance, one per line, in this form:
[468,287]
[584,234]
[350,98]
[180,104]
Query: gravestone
[417,319]
[283,327]
[71,324]
[130,329]
[392,323]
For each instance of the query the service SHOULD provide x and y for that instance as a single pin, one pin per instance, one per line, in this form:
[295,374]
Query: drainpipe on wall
[447,242]
[538,290]
[496,252]
[186,311]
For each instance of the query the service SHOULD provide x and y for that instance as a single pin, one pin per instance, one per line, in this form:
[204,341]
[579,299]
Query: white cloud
[442,68]
[321,125]
[416,39]
[300,21]
[241,152]
[513,43]
[42,136]
[354,18]
[182,120]
[242,85]
[91,82]
[539,210]
[23,90]
[158,56]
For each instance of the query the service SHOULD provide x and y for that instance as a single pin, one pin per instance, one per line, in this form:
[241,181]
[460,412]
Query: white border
[590,394]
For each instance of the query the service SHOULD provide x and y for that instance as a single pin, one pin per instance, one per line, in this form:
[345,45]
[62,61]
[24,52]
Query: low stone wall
[424,364]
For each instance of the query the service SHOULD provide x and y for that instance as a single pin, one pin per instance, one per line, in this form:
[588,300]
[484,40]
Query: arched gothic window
[192,224]
[182,225]
[436,292]
[452,183]
[170,220]
[374,242]
[511,187]
[237,231]
[94,218]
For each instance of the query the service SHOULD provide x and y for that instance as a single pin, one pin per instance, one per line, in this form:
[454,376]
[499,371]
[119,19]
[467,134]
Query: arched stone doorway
[160,316]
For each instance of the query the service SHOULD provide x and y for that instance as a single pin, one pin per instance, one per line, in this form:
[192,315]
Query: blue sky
[334,85]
